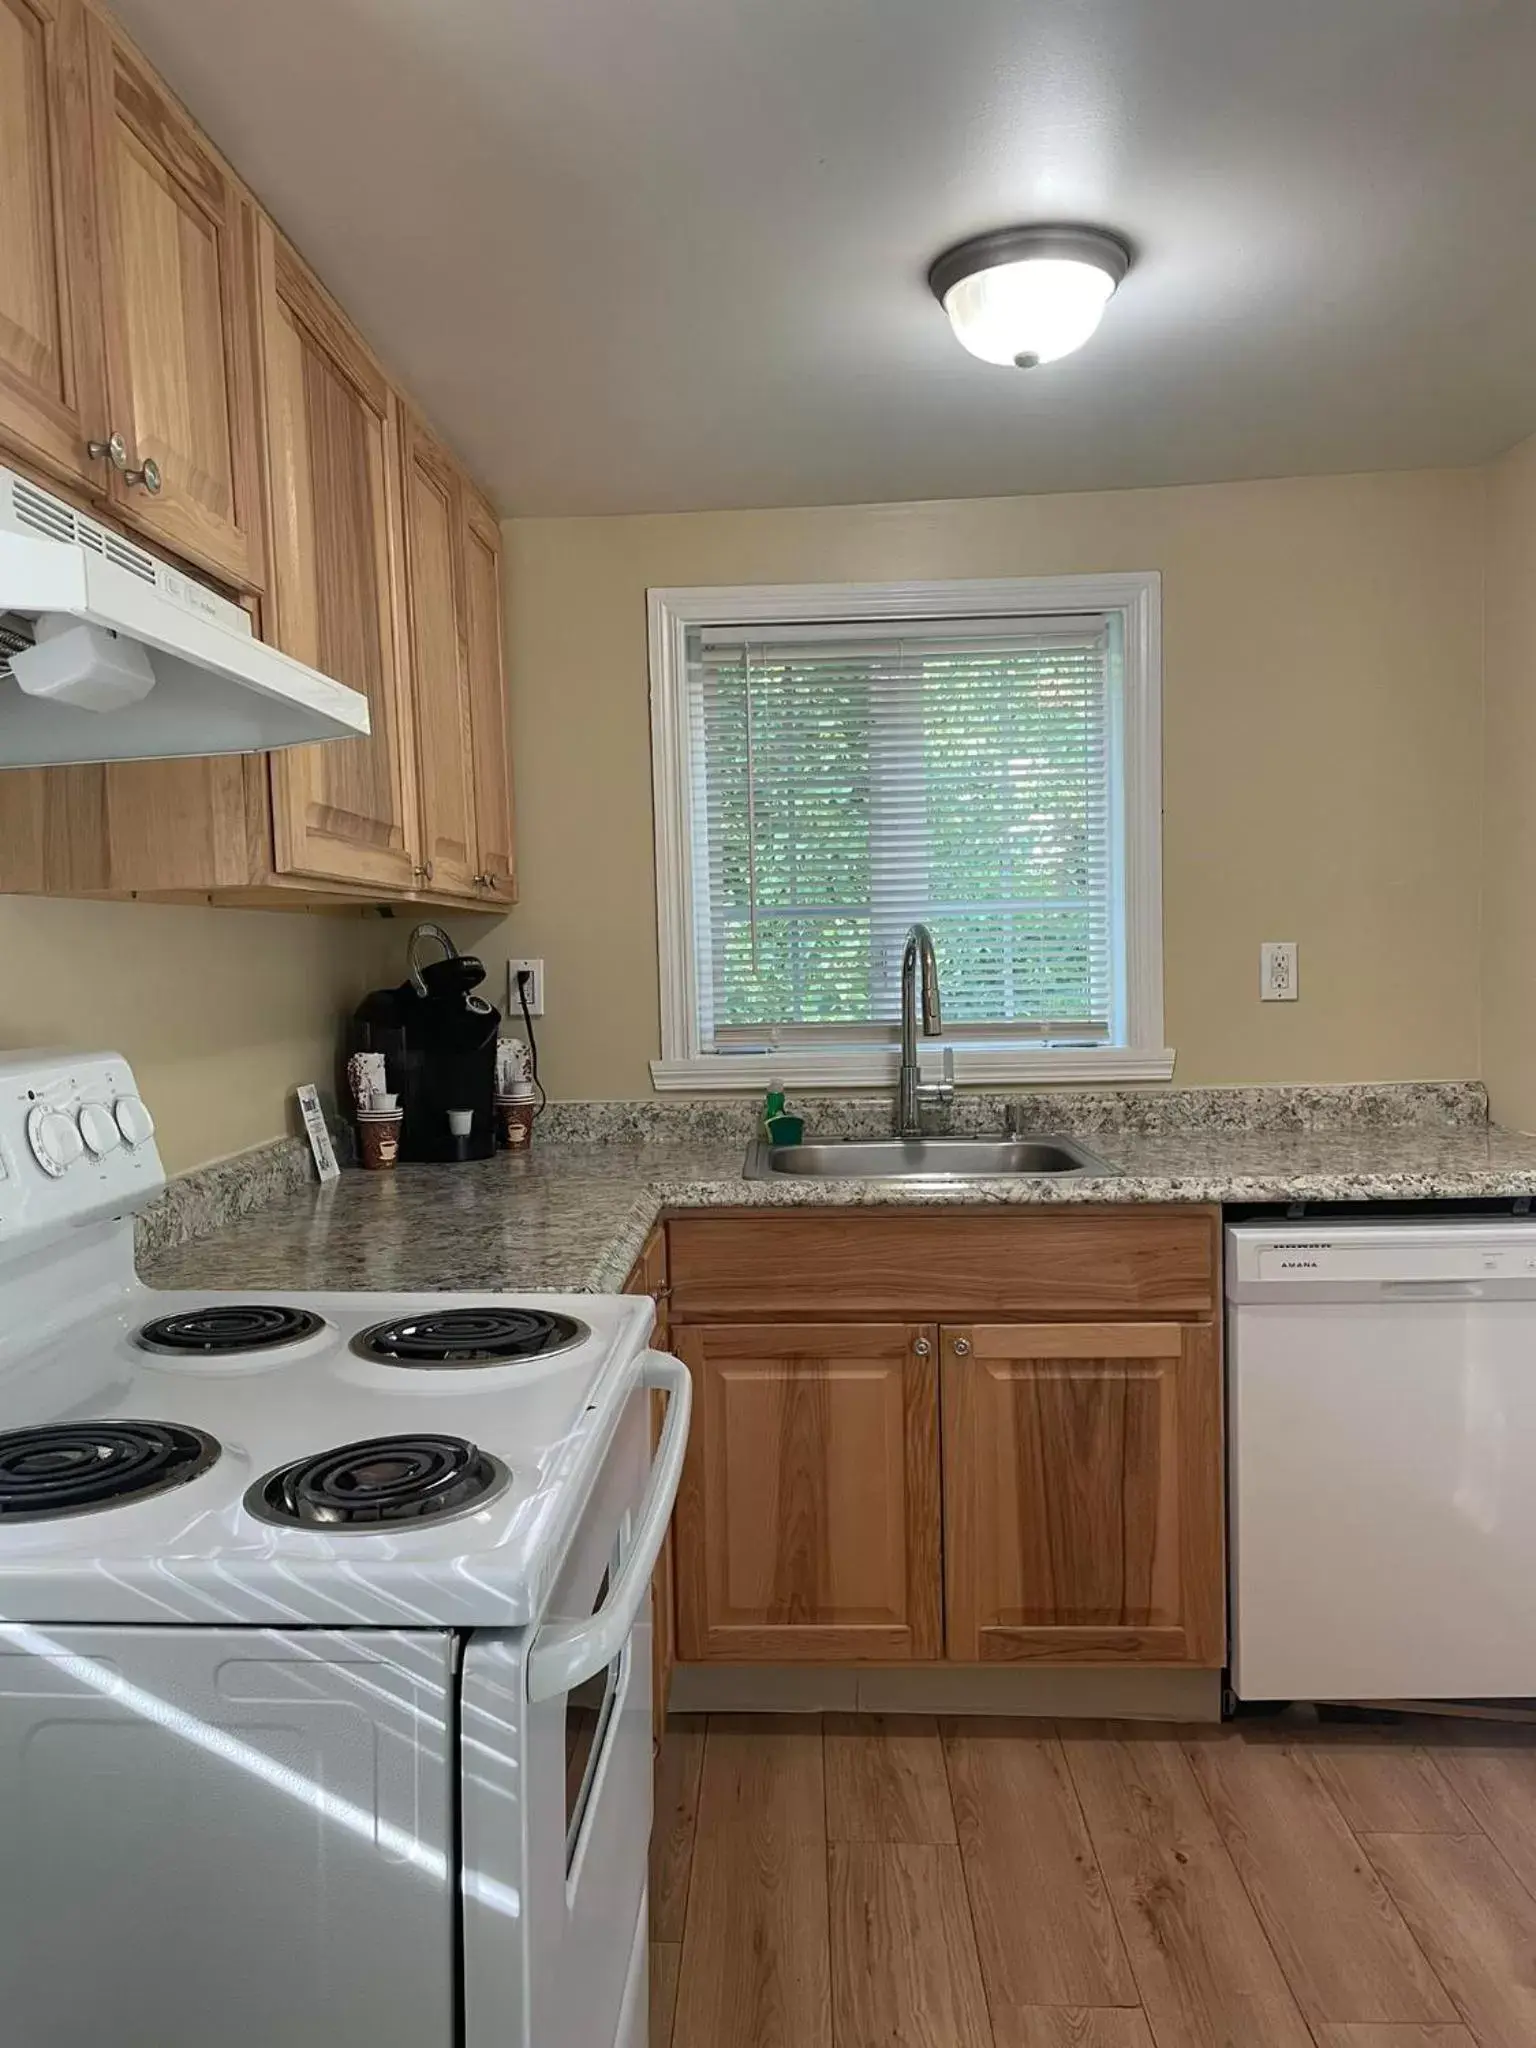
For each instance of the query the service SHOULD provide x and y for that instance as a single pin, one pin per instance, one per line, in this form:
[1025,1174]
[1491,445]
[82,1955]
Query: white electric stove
[324,1635]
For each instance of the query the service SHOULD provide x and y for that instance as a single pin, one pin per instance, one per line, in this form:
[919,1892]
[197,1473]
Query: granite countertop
[572,1216]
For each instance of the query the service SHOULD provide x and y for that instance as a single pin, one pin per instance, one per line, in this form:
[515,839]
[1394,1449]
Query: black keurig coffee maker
[439,1044]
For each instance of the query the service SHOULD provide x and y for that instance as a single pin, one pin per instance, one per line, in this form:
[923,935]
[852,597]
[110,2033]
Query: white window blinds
[848,780]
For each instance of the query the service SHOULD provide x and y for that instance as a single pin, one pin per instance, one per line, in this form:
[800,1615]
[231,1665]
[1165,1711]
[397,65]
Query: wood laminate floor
[868,1882]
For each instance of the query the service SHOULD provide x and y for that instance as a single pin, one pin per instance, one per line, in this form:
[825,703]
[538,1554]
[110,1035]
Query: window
[835,762]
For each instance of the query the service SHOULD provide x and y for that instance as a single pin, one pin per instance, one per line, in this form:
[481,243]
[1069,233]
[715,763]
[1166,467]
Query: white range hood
[108,653]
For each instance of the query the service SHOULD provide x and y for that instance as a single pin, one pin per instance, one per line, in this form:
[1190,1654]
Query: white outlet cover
[1277,971]
[535,970]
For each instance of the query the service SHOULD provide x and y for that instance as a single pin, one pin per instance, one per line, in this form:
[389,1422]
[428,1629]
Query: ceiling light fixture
[1028,295]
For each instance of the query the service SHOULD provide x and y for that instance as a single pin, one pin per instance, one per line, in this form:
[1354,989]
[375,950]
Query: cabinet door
[52,400]
[177,238]
[808,1521]
[434,606]
[345,811]
[487,701]
[1082,1493]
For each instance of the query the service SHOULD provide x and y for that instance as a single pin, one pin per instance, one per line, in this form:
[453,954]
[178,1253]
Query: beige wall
[1323,751]
[1323,763]
[221,1012]
[1509,825]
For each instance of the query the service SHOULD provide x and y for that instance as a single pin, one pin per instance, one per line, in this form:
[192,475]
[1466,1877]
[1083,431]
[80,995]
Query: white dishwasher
[1381,1424]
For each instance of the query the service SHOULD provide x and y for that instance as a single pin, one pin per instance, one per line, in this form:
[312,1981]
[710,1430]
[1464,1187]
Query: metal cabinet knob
[115,451]
[424,872]
[962,1347]
[921,1348]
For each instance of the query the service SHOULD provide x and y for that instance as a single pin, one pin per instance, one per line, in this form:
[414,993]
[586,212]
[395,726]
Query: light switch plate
[1277,971]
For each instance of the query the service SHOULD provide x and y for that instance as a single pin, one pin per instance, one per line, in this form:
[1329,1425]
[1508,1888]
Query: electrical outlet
[533,987]
[1277,971]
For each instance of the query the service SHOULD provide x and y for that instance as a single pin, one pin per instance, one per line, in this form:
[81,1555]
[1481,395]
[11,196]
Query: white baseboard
[1133,1695]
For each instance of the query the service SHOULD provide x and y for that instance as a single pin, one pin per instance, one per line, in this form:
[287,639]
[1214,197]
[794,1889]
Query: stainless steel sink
[923,1159]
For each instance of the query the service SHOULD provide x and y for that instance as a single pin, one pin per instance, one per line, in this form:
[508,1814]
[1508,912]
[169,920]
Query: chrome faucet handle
[938,1094]
[943,1089]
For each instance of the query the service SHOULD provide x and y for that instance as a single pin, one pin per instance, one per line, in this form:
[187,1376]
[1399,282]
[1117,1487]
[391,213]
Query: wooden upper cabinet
[492,772]
[438,659]
[144,300]
[52,396]
[1082,1493]
[177,240]
[344,811]
[808,1518]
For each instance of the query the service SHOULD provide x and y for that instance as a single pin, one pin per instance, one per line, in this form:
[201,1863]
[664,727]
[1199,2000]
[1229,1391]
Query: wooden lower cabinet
[1082,1493]
[808,1521]
[1067,1360]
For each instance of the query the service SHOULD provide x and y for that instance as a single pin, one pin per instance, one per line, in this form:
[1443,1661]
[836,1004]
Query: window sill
[975,1066]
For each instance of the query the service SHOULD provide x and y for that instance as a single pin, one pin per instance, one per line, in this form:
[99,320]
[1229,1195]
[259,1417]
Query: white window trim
[1136,597]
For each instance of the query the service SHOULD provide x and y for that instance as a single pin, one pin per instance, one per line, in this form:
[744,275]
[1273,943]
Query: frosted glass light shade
[1028,295]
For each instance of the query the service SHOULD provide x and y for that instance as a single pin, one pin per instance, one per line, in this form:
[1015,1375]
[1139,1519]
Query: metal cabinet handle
[921,1348]
[424,872]
[962,1347]
[115,451]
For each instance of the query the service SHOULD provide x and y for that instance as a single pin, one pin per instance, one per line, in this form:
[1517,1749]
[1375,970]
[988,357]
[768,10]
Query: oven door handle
[566,1653]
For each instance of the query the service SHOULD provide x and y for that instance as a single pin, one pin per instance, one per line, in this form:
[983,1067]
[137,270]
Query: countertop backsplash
[1079,1112]
[211,1197]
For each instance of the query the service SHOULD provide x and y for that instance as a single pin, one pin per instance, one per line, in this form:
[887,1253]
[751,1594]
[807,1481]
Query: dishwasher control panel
[1380,1260]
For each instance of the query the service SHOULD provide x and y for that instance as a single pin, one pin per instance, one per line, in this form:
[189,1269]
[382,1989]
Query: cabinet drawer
[920,1264]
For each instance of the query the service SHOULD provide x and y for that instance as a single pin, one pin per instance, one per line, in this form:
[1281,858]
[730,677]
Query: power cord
[523,979]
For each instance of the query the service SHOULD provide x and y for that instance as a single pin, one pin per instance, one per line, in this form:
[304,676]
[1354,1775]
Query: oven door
[556,1748]
[226,1838]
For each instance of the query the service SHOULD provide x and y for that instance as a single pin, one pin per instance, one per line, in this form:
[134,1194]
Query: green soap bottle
[778,1127]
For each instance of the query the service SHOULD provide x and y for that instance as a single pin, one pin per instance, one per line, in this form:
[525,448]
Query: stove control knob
[98,1127]
[55,1139]
[133,1120]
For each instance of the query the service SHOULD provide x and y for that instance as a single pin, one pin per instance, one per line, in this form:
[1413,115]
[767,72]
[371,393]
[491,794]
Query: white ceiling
[658,254]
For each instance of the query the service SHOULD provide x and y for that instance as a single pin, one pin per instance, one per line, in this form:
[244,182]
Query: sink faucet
[919,969]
